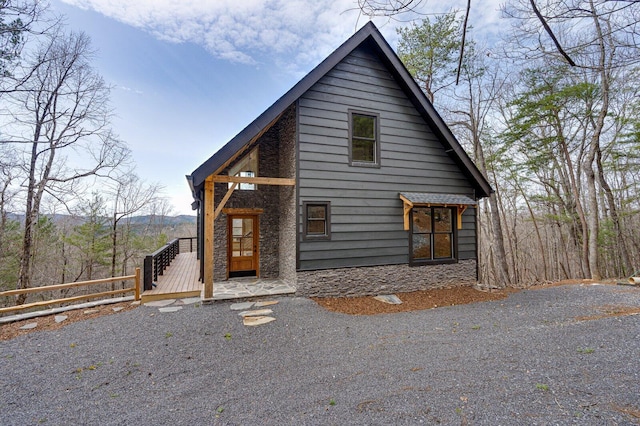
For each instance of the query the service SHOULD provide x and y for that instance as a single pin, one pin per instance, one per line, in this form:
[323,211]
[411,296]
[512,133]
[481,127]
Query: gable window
[364,143]
[432,235]
[317,224]
[247,167]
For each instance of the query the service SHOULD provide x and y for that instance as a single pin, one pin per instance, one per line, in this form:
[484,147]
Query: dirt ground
[416,300]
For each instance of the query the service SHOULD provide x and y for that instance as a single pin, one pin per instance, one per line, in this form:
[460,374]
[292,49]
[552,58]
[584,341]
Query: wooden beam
[224,200]
[208,239]
[232,211]
[254,180]
[461,209]
[406,205]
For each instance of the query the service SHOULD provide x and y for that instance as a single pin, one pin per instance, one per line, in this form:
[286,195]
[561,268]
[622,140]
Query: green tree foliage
[10,236]
[429,51]
[17,18]
[92,240]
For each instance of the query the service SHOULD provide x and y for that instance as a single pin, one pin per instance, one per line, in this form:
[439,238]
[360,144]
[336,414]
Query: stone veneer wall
[266,197]
[387,279]
[288,141]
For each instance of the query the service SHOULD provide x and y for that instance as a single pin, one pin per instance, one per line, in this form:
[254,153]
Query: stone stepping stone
[160,303]
[391,299]
[190,300]
[117,309]
[91,311]
[60,318]
[29,326]
[170,309]
[253,321]
[243,306]
[256,313]
[266,303]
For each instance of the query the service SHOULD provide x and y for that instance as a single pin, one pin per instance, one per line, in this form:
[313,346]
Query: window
[317,225]
[432,234]
[247,167]
[364,146]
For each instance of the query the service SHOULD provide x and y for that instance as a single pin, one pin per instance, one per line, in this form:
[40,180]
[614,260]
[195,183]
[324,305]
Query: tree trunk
[24,276]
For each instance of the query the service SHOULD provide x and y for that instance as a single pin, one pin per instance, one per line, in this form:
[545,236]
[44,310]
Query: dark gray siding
[366,212]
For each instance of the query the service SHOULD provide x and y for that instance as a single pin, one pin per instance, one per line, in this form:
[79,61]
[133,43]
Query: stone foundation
[387,279]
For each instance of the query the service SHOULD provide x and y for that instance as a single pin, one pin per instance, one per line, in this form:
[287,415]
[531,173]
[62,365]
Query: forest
[71,205]
[548,111]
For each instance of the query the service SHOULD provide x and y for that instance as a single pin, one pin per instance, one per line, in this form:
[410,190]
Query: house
[349,184]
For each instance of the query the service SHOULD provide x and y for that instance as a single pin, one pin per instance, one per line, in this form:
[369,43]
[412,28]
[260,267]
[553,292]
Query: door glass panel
[247,246]
[242,237]
[235,251]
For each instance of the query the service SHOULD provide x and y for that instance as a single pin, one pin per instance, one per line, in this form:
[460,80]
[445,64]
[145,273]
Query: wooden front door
[243,247]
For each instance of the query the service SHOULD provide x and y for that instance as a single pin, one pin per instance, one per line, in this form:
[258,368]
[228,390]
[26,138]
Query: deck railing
[157,262]
[135,289]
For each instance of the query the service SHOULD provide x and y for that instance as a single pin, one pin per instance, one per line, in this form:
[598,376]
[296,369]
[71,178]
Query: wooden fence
[135,290]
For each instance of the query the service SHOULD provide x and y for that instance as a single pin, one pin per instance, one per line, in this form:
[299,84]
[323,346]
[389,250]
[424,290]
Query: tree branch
[553,37]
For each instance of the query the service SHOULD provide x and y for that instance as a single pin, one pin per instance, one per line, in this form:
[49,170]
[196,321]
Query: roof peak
[388,56]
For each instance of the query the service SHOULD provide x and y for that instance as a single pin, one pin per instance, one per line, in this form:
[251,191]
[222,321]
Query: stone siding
[288,141]
[265,197]
[387,279]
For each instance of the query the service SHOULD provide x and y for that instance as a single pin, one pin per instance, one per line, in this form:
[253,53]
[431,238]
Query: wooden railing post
[148,272]
[137,285]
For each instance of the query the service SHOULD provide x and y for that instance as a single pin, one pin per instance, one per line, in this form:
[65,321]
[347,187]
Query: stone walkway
[239,288]
[250,317]
[253,317]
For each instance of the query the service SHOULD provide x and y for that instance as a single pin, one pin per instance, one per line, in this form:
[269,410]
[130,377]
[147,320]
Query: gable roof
[368,33]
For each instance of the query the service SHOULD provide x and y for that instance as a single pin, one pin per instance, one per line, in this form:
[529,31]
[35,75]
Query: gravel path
[525,360]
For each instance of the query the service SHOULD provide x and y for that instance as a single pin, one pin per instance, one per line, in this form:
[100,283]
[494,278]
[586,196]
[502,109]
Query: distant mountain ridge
[137,220]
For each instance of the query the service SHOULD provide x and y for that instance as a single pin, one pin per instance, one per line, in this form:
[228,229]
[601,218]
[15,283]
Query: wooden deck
[180,280]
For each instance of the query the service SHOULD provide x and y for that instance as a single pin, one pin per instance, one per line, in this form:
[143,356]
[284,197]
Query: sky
[188,75]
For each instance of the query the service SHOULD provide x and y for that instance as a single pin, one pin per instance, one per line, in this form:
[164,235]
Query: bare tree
[61,121]
[481,87]
[129,195]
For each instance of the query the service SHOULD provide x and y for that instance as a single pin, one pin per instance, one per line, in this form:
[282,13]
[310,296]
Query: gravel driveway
[539,357]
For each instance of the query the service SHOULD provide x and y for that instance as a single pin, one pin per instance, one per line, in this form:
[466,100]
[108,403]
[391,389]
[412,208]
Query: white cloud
[299,33]
[236,30]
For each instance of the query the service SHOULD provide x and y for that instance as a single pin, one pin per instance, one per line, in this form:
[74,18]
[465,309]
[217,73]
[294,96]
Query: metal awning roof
[438,199]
